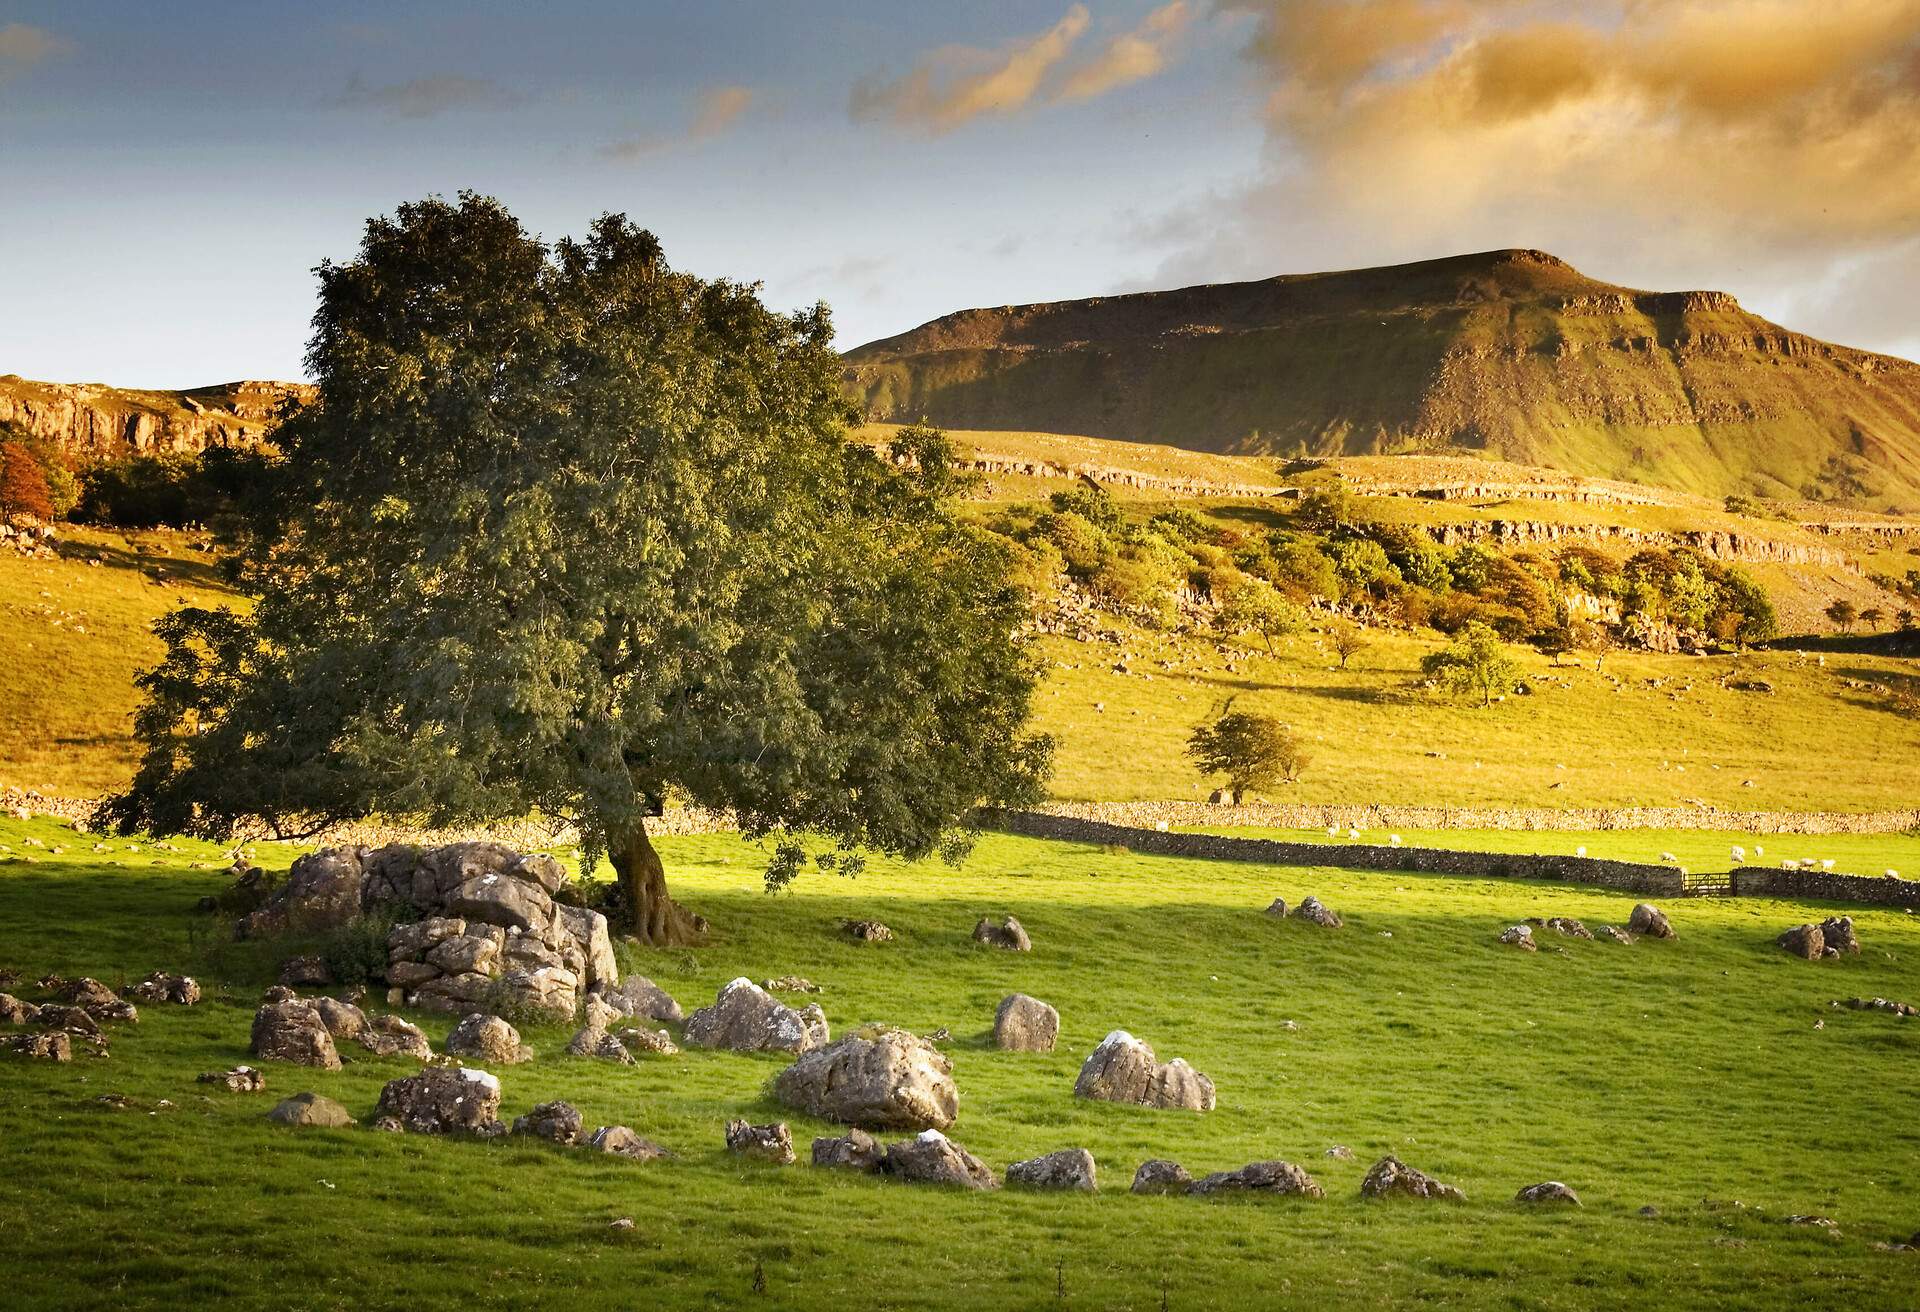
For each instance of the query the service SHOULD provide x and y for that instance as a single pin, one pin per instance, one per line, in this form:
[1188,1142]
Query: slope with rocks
[91,422]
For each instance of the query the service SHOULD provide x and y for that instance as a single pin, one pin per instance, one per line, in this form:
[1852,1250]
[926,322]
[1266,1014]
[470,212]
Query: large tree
[565,529]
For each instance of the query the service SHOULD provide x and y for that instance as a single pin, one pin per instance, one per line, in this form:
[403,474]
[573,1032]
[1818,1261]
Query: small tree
[1347,641]
[1251,750]
[1598,637]
[1476,662]
[23,488]
[1906,619]
[1871,617]
[1256,604]
[1843,614]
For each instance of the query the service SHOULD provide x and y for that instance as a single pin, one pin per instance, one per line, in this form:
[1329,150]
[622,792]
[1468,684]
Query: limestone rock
[856,1151]
[1123,1069]
[47,1045]
[496,899]
[1024,1024]
[557,1121]
[1160,1176]
[1315,912]
[1804,941]
[294,1031]
[1879,1004]
[1837,931]
[238,1079]
[746,1018]
[487,1039]
[622,1142]
[1649,921]
[343,1020]
[180,990]
[641,998]
[553,991]
[658,1042]
[1009,934]
[866,931]
[1277,908]
[1069,1168]
[96,999]
[304,972]
[932,1158]
[785,984]
[876,1076]
[587,931]
[1390,1176]
[770,1143]
[311,1109]
[1519,936]
[1548,1191]
[443,1100]
[72,1020]
[391,1036]
[1275,1177]
[15,1012]
[1562,925]
[1617,934]
[322,891]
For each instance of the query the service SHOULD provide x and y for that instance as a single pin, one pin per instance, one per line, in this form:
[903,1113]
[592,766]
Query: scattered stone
[877,1076]
[770,1143]
[73,1020]
[15,1012]
[866,931]
[1123,1069]
[1838,933]
[1024,1024]
[390,1036]
[1519,936]
[745,1018]
[1649,1212]
[1390,1176]
[180,990]
[96,999]
[1616,934]
[306,972]
[641,998]
[311,1109]
[444,1100]
[620,1223]
[855,1151]
[592,1040]
[1339,1152]
[1562,925]
[658,1042]
[278,993]
[622,1142]
[1805,941]
[1315,912]
[48,1045]
[1069,1168]
[1548,1191]
[343,1020]
[558,1122]
[1160,1176]
[790,984]
[1649,921]
[1277,907]
[1879,1004]
[388,1125]
[1009,934]
[240,1079]
[932,1158]
[487,1039]
[294,1031]
[1275,1177]
[1822,1222]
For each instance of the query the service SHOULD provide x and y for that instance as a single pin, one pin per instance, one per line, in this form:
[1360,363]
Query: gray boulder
[1837,933]
[322,891]
[558,1122]
[1548,1191]
[770,1143]
[1315,912]
[180,990]
[1649,921]
[1024,1024]
[487,1039]
[1275,1177]
[1804,941]
[311,1109]
[932,1158]
[1390,1177]
[856,1150]
[444,1100]
[746,1018]
[15,1012]
[877,1076]
[1069,1168]
[238,1079]
[97,1000]
[47,1045]
[343,1020]
[1009,935]
[1277,908]
[1519,936]
[623,1142]
[634,1039]
[1123,1069]
[1160,1176]
[641,998]
[294,1031]
[866,931]
[390,1036]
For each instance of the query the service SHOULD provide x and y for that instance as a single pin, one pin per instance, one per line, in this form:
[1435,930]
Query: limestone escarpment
[91,422]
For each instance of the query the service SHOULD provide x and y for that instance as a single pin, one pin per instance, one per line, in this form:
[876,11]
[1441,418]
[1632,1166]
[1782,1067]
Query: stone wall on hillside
[1268,815]
[1716,543]
[1757,881]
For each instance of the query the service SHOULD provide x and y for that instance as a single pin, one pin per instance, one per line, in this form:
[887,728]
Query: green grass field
[1686,1075]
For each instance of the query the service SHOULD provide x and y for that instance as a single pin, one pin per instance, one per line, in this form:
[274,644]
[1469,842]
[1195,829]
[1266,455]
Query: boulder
[1649,921]
[1123,1069]
[462,954]
[1275,1177]
[1009,934]
[557,1121]
[856,1150]
[180,990]
[1390,1176]
[641,998]
[658,1042]
[47,1045]
[551,991]
[1548,1191]
[294,1031]
[745,1018]
[444,1100]
[770,1143]
[15,1012]
[239,1079]
[1069,1168]
[1160,1176]
[866,931]
[1315,912]
[1879,1004]
[487,1039]
[306,972]
[390,1036]
[1024,1024]
[72,1020]
[876,1076]
[1519,936]
[1569,927]
[498,899]
[932,1158]
[784,984]
[622,1142]
[587,930]
[1837,931]
[1617,934]
[1277,908]
[311,1109]
[1804,941]
[96,999]
[322,891]
[343,1020]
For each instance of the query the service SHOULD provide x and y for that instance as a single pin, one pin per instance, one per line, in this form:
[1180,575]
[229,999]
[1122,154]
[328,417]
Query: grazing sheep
[1893,874]
[1827,864]
[1789,864]
[1580,850]
[1739,853]
[1353,833]
[1759,850]
[1394,839]
[1333,831]
[1670,858]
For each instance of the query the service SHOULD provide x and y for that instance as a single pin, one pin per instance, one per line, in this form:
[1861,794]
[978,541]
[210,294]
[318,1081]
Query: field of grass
[1814,743]
[1688,1076]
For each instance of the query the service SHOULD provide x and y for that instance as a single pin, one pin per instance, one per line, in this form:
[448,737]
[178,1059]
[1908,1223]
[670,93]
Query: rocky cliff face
[91,422]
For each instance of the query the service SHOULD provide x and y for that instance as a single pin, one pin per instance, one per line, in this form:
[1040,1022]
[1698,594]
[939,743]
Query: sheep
[1892,873]
[1333,831]
[1394,839]
[1352,833]
[1789,864]
[1580,850]
[1827,864]
[1670,858]
[1739,853]
[1759,850]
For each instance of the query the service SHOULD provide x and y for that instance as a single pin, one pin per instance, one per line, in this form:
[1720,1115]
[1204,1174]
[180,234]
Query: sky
[171,174]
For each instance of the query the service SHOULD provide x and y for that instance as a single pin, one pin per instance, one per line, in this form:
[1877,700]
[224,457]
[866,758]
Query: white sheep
[1670,858]
[1394,839]
[1827,864]
[1580,850]
[1739,853]
[1759,850]
[1789,864]
[1893,874]
[1353,833]
[1333,831]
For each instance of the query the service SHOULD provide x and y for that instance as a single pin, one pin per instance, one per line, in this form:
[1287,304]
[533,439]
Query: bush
[23,487]
[1475,663]
[356,952]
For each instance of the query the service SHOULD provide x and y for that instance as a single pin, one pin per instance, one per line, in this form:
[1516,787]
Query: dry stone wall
[1360,816]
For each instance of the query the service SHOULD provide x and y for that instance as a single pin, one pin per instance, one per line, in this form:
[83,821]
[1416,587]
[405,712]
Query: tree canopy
[1476,662]
[1250,749]
[565,529]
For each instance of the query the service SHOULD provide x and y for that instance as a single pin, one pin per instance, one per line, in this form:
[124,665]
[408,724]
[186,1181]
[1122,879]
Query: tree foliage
[1251,750]
[1475,663]
[565,529]
[23,487]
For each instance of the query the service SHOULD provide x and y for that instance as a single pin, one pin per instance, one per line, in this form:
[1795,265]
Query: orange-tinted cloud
[953,85]
[717,110]
[23,45]
[1130,57]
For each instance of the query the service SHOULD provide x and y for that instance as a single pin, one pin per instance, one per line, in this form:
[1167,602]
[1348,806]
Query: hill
[92,422]
[1513,353]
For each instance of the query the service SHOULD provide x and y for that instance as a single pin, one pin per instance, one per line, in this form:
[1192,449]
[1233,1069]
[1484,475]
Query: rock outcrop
[1024,1024]
[1649,921]
[311,1110]
[745,1018]
[1123,1069]
[1069,1168]
[444,1100]
[557,1122]
[932,1158]
[1009,934]
[769,1143]
[1390,1177]
[877,1076]
[1275,1177]
[1160,1176]
[488,1040]
[90,423]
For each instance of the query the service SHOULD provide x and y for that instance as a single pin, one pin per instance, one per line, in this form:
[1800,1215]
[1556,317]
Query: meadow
[1698,1077]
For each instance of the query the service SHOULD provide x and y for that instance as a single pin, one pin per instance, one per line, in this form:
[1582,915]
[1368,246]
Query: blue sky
[169,174]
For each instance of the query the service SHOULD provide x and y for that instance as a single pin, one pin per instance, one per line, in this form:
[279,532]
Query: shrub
[1476,663]
[23,487]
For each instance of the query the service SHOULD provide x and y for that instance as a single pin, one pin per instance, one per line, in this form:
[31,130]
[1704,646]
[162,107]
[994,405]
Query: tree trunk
[657,920]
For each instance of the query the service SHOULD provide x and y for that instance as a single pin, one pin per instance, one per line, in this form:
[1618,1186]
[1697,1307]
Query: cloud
[717,109]
[23,46]
[1131,57]
[428,97]
[954,85]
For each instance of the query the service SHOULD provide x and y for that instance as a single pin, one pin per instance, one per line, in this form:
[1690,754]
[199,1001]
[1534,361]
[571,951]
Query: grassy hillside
[1396,1034]
[1511,352]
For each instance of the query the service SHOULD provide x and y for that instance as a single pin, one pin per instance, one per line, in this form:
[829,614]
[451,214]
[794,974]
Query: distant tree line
[40,481]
